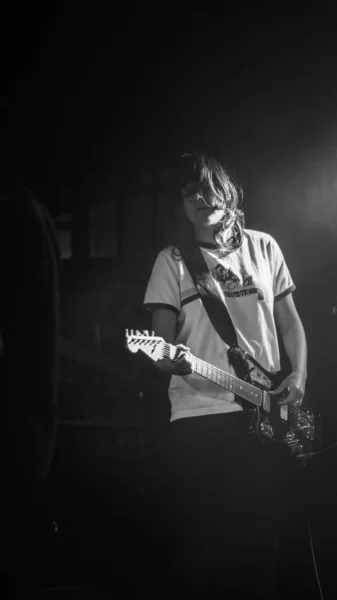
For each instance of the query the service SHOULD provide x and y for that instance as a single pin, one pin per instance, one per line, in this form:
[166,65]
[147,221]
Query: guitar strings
[204,366]
[217,370]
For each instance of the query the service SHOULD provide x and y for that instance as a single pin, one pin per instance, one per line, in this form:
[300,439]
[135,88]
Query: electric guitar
[293,426]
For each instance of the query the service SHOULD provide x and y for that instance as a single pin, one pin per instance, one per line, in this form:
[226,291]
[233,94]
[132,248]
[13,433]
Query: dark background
[95,99]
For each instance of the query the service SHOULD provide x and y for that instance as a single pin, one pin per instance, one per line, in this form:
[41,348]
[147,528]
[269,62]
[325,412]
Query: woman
[227,489]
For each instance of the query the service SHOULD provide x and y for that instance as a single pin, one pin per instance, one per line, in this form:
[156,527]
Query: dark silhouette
[29,323]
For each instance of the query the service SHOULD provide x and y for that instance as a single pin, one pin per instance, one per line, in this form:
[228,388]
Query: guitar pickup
[284,412]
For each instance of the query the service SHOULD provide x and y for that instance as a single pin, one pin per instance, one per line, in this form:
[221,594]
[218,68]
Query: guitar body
[266,424]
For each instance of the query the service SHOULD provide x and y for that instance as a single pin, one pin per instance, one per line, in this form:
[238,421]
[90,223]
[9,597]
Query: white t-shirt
[250,280]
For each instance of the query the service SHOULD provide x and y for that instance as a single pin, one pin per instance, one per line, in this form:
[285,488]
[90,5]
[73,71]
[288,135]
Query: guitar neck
[229,382]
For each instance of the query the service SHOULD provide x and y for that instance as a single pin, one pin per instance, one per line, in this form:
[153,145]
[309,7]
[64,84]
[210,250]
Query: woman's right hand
[181,365]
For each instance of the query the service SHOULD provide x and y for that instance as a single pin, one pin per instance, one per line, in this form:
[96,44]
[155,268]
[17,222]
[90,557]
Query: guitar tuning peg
[153,333]
[138,332]
[131,332]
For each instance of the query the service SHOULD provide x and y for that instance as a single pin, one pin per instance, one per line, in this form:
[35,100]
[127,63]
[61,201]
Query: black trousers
[230,499]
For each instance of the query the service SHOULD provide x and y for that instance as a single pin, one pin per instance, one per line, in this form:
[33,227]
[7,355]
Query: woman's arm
[164,324]
[294,339]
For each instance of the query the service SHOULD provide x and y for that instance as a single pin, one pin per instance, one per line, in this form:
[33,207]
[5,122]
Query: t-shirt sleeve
[282,280]
[163,289]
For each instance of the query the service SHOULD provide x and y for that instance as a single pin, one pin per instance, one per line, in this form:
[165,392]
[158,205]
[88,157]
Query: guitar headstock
[152,345]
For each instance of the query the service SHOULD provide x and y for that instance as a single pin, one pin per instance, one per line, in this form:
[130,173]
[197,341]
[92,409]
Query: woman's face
[201,205]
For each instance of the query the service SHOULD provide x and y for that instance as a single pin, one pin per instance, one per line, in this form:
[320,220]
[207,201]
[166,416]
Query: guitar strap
[215,307]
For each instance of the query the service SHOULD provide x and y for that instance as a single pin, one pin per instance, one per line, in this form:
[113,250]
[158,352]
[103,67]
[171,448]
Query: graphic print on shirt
[234,286]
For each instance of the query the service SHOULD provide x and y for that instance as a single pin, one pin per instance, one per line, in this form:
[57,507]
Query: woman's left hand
[294,384]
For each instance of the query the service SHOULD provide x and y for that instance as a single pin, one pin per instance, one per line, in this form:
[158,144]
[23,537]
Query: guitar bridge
[293,442]
[306,426]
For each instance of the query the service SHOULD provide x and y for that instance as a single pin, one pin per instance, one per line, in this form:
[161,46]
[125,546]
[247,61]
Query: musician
[228,487]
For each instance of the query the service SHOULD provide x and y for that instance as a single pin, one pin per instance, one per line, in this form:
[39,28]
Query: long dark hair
[198,167]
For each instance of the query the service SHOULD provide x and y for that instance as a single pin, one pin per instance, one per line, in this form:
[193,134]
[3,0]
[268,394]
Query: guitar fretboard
[245,390]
